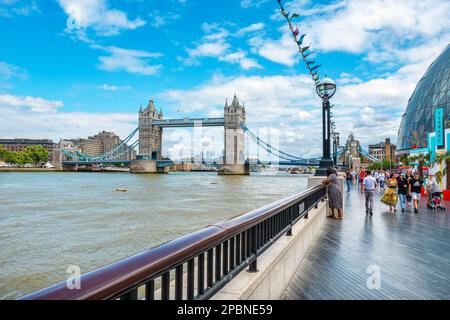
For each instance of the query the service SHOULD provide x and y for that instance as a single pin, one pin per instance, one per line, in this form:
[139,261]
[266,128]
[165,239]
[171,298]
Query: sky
[72,68]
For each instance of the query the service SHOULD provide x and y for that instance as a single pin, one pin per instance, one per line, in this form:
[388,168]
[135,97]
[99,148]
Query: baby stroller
[436,202]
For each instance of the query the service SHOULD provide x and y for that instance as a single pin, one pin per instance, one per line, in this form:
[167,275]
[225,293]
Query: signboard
[439,126]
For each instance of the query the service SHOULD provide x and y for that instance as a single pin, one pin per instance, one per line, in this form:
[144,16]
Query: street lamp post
[325,89]
[347,158]
[335,137]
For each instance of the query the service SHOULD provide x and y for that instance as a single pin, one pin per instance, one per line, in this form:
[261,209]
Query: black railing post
[253,240]
[291,218]
[190,280]
[150,290]
[201,274]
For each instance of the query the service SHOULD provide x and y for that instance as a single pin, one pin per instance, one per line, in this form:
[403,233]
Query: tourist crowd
[399,187]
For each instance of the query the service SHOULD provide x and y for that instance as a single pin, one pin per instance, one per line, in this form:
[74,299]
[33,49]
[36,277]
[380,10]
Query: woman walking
[408,196]
[415,189]
[402,191]
[334,194]
[361,176]
[390,196]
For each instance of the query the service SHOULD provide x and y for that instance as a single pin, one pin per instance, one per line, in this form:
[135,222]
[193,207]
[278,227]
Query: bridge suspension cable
[116,152]
[270,149]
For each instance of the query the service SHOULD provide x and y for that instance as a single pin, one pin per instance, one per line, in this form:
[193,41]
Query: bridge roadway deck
[411,250]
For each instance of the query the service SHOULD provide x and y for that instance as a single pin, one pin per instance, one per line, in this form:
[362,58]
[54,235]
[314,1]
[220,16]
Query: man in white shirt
[369,185]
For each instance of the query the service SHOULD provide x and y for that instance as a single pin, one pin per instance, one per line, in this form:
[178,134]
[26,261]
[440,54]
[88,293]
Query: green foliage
[405,160]
[384,164]
[4,154]
[32,155]
[36,154]
[422,159]
[441,160]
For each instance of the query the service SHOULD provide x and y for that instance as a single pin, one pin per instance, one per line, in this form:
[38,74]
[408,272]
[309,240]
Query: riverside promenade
[410,250]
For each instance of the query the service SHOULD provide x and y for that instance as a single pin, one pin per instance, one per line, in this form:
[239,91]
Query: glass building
[431,93]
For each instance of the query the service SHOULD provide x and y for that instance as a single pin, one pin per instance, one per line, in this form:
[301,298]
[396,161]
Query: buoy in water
[121,189]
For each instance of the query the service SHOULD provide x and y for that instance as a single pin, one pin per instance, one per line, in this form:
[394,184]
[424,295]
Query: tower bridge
[152,123]
[149,140]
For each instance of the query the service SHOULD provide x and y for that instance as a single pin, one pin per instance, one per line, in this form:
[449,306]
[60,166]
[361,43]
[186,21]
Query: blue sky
[70,68]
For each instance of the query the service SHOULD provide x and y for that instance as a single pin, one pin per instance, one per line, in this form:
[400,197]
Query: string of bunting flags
[305,51]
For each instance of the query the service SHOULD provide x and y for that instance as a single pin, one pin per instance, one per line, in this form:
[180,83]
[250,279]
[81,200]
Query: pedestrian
[402,191]
[408,196]
[382,178]
[362,175]
[355,180]
[415,189]
[348,179]
[390,196]
[376,175]
[334,194]
[368,186]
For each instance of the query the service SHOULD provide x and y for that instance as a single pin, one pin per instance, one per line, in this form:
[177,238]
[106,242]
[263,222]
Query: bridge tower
[150,142]
[150,136]
[234,139]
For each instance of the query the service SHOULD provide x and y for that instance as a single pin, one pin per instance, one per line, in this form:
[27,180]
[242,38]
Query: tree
[405,160]
[440,159]
[19,158]
[36,154]
[4,154]
[383,164]
[422,159]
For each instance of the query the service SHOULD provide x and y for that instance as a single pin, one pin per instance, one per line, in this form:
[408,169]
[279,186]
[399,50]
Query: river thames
[50,221]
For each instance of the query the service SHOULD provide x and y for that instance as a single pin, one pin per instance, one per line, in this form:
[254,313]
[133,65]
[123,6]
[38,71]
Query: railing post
[289,232]
[253,240]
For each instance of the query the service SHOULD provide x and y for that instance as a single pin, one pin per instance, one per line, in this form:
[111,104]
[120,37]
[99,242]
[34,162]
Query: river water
[49,221]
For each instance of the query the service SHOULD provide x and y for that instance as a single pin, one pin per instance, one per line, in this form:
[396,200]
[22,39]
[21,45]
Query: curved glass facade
[432,92]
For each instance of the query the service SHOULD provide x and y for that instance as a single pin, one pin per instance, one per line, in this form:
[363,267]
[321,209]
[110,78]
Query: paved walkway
[411,252]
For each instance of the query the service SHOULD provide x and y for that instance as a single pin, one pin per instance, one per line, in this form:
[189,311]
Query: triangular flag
[295,15]
[296,32]
[309,62]
[308,54]
[284,13]
[300,40]
[305,48]
[315,68]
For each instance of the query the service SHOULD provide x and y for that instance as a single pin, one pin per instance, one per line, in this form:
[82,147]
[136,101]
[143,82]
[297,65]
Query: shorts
[415,195]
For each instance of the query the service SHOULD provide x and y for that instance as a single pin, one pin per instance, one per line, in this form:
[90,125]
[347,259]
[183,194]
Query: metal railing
[195,266]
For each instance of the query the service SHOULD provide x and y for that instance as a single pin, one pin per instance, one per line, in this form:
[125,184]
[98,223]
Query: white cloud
[251,28]
[240,57]
[10,8]
[252,3]
[108,87]
[209,49]
[8,71]
[56,125]
[380,29]
[214,44]
[281,51]
[159,19]
[35,104]
[133,61]
[97,15]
